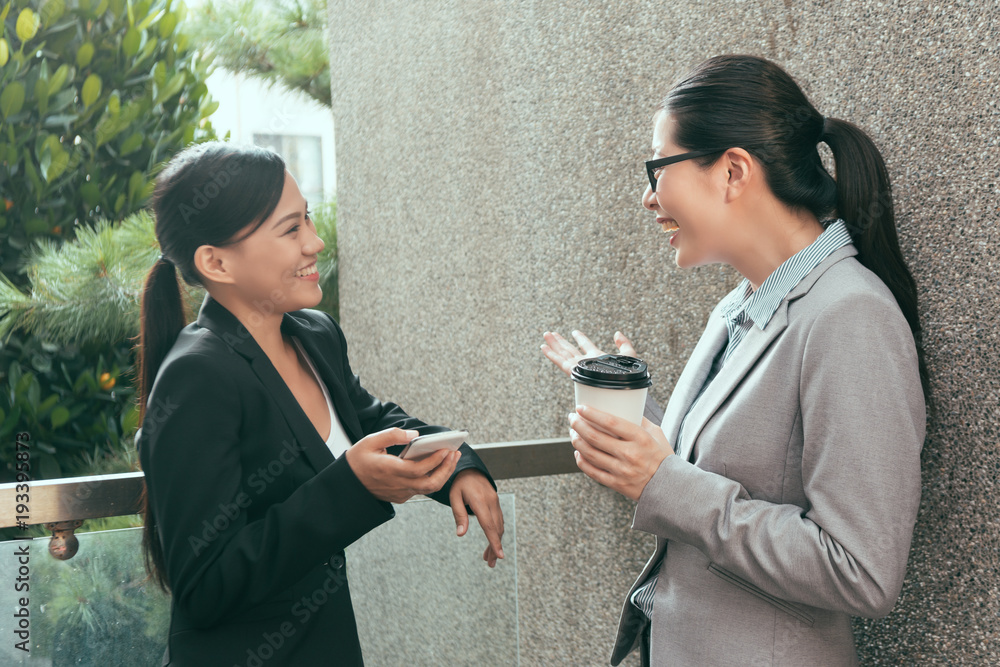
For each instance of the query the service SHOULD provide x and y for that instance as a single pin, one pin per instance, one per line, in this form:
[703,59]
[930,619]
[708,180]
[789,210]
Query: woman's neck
[265,327]
[769,239]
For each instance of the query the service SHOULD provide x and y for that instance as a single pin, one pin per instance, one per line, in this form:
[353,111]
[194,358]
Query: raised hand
[565,355]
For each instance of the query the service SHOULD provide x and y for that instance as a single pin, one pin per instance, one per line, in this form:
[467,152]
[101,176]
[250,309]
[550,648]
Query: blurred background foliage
[96,94]
[275,41]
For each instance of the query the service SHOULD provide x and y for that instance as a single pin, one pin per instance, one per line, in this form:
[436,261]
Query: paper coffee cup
[614,383]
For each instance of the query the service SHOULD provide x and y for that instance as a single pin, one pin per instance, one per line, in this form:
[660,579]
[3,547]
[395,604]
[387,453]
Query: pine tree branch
[277,42]
[86,289]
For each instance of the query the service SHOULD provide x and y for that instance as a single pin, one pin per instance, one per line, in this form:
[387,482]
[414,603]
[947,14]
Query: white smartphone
[424,445]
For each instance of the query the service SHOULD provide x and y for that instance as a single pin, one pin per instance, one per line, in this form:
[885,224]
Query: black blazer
[252,510]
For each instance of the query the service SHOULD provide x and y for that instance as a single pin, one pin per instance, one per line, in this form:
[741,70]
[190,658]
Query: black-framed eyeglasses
[652,166]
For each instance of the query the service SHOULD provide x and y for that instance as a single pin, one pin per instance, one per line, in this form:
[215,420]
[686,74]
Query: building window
[304,158]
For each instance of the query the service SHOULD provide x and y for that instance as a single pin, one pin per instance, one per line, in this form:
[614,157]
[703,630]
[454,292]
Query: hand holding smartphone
[424,445]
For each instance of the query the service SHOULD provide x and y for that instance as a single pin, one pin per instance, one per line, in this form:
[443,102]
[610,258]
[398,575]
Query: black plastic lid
[612,371]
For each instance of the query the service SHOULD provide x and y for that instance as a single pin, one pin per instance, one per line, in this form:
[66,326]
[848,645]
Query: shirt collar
[760,305]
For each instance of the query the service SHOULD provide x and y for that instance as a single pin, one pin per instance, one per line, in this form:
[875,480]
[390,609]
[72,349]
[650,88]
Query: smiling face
[687,201]
[274,268]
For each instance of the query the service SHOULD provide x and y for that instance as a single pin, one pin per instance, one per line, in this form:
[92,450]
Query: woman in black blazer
[264,456]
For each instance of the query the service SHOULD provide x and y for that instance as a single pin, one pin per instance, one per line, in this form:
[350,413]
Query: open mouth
[668,225]
[306,272]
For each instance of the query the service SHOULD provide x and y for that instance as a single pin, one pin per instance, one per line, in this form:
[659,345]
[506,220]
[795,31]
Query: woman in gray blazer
[783,483]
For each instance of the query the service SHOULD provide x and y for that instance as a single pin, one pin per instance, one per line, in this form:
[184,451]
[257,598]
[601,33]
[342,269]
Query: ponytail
[864,202]
[746,101]
[214,193]
[161,321]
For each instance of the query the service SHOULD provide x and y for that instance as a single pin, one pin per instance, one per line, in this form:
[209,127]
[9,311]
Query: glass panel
[425,597]
[422,595]
[94,609]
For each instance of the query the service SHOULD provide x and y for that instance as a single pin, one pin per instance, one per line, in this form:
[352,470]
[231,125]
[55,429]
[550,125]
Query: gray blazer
[790,503]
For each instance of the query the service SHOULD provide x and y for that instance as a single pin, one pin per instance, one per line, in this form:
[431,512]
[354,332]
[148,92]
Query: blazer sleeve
[219,562]
[863,421]
[374,416]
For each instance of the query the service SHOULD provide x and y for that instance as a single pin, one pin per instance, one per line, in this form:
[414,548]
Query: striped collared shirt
[744,308]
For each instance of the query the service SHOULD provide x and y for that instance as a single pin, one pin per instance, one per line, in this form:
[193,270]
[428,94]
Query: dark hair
[751,103]
[214,194]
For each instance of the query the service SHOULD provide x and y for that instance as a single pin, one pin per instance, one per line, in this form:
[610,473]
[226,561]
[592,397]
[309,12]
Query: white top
[338,442]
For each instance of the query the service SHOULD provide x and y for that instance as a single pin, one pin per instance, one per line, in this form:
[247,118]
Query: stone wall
[489,164]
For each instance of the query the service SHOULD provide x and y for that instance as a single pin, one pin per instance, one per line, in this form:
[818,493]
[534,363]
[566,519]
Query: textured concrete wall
[489,174]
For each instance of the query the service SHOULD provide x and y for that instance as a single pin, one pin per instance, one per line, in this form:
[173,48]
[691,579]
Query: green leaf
[21,386]
[59,417]
[27,390]
[84,382]
[54,162]
[57,120]
[49,467]
[35,226]
[90,193]
[12,420]
[167,24]
[160,73]
[27,24]
[52,11]
[42,95]
[135,183]
[41,363]
[12,99]
[84,54]
[129,418]
[131,42]
[114,104]
[14,373]
[4,52]
[172,88]
[59,78]
[61,100]
[209,109]
[131,144]
[91,90]
[47,404]
[29,169]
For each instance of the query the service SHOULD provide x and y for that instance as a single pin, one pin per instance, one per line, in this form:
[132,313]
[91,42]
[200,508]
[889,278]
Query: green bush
[94,96]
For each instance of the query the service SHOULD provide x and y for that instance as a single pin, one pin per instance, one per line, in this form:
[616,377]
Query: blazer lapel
[735,369]
[310,338]
[693,376]
[746,355]
[224,324]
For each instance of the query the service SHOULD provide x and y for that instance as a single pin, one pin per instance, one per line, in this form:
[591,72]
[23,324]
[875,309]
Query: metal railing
[61,505]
